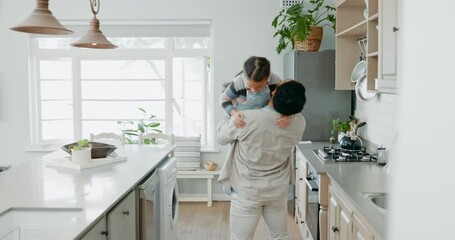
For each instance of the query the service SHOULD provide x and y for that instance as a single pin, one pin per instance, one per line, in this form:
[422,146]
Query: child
[251,89]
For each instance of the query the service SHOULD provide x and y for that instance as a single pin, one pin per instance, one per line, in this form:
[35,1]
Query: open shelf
[374,17]
[373,54]
[359,29]
[352,25]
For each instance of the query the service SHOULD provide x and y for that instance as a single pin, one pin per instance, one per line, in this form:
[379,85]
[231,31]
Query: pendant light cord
[95,5]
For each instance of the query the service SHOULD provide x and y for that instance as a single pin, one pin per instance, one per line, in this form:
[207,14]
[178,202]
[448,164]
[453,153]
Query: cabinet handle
[395,29]
[127,212]
[300,179]
[302,222]
[335,229]
[105,233]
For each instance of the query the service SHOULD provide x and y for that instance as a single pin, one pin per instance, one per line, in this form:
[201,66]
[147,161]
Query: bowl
[210,167]
[359,71]
[99,150]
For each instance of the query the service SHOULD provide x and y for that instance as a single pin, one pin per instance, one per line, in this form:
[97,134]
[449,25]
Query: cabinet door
[97,232]
[340,218]
[121,221]
[345,224]
[332,210]
[360,231]
[389,37]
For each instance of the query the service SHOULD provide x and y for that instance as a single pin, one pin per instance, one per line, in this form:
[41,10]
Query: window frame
[76,57]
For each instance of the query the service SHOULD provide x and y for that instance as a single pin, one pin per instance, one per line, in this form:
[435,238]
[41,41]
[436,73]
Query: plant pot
[312,43]
[81,156]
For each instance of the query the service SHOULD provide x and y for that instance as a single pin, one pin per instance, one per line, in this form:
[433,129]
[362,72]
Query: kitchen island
[45,202]
[355,183]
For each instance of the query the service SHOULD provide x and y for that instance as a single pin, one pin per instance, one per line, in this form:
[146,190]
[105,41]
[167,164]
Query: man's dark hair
[289,98]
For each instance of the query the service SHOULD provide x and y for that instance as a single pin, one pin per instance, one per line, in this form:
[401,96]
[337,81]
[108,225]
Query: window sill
[209,150]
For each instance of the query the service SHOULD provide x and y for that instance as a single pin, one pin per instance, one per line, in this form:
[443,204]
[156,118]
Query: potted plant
[341,127]
[303,26]
[132,129]
[82,152]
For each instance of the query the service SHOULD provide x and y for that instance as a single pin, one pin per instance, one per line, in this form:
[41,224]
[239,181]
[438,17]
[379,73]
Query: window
[162,69]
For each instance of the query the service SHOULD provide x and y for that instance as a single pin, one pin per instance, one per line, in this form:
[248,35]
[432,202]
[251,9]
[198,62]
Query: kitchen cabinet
[119,224]
[344,222]
[378,21]
[301,192]
[360,231]
[340,218]
[98,231]
[356,19]
[388,46]
[121,220]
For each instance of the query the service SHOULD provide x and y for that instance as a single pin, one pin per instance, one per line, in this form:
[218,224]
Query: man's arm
[226,132]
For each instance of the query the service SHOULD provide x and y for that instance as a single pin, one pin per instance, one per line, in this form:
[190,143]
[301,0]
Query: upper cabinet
[366,31]
[388,46]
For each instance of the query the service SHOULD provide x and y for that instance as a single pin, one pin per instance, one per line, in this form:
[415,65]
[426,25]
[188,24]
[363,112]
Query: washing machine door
[174,205]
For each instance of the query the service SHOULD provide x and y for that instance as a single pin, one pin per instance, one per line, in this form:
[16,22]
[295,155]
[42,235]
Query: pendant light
[94,38]
[41,21]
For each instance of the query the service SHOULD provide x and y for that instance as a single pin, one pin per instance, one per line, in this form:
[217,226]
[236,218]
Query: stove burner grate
[336,154]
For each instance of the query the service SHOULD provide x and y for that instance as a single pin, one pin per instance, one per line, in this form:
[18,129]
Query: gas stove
[338,155]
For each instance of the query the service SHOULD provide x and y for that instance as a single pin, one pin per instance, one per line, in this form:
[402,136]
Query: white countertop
[354,178]
[86,194]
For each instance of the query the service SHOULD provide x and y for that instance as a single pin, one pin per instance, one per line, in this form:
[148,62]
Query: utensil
[359,126]
[361,90]
[359,71]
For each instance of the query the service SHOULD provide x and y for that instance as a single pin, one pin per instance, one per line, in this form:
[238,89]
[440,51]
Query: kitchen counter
[354,178]
[34,190]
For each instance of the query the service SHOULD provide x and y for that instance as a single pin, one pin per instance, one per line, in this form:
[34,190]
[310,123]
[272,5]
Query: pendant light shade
[94,38]
[41,21]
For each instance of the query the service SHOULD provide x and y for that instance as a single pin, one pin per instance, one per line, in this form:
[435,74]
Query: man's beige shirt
[258,166]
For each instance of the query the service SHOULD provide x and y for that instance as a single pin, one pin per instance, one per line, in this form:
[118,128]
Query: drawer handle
[127,212]
[105,233]
[395,29]
[335,229]
[302,222]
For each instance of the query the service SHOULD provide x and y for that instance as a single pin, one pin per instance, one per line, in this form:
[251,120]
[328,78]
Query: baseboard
[185,197]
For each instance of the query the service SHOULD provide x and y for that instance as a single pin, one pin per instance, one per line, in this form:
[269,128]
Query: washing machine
[169,199]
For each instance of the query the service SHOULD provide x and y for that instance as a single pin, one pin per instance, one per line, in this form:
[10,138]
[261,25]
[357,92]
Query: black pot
[351,143]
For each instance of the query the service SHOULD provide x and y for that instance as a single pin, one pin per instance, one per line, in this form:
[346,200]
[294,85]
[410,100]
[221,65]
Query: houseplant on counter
[342,127]
[82,152]
[302,26]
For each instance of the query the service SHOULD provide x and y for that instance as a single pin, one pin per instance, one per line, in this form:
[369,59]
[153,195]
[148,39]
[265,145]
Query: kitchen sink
[38,223]
[379,199]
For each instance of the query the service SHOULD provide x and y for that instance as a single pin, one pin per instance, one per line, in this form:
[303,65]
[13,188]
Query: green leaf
[142,110]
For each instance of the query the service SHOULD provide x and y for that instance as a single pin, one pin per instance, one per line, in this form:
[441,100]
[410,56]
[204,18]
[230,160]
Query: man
[260,168]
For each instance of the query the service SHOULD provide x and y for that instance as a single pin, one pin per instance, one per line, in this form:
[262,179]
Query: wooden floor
[197,221]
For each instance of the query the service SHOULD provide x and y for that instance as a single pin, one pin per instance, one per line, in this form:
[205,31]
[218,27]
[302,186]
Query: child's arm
[284,120]
[228,95]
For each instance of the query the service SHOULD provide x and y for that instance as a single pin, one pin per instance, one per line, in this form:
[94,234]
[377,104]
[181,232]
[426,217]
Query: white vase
[81,156]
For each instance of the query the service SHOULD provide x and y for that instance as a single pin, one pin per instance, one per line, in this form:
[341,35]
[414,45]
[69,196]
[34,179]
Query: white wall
[380,114]
[241,29]
[422,197]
